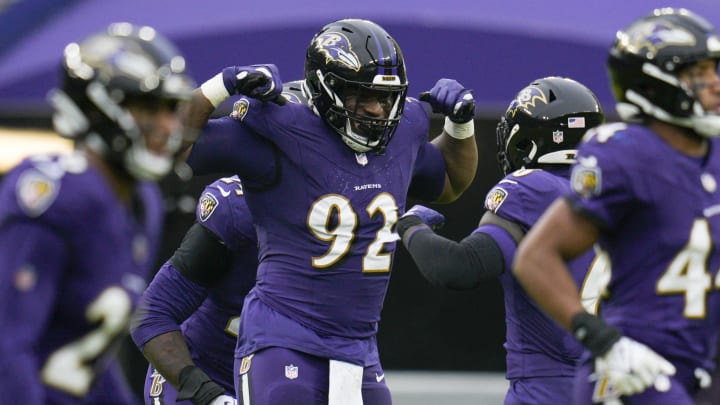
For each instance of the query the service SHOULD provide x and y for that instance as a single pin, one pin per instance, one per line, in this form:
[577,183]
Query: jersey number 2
[341,235]
[70,368]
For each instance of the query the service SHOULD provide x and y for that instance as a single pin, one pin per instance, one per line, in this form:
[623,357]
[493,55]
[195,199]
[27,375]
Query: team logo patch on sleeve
[35,192]
[586,178]
[495,198]
[206,206]
[240,109]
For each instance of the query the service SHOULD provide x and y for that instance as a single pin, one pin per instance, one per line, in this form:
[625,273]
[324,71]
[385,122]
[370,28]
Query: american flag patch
[576,122]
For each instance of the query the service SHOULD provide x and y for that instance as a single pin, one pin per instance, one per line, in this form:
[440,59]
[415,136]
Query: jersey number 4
[687,273]
[333,220]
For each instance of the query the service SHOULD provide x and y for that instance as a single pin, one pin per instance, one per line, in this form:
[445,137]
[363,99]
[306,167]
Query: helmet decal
[336,47]
[390,69]
[651,36]
[528,97]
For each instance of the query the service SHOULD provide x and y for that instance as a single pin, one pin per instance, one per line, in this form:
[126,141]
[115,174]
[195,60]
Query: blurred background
[494,47]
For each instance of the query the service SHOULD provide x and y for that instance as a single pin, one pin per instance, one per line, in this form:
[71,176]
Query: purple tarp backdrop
[492,46]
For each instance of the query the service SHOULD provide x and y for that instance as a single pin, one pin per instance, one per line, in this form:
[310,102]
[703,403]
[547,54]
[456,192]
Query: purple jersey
[73,262]
[209,316]
[536,346]
[657,210]
[325,230]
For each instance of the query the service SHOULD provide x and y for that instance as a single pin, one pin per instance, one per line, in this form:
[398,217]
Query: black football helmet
[644,63]
[356,58]
[545,122]
[105,73]
[294,92]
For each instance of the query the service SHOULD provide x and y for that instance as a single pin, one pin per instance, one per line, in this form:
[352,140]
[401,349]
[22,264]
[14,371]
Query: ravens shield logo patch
[586,181]
[495,198]
[240,109]
[206,206]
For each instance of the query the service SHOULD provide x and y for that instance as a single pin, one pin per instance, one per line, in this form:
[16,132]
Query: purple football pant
[282,376]
[540,390]
[160,392]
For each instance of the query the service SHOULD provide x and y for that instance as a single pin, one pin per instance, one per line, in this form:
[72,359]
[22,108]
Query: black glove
[196,386]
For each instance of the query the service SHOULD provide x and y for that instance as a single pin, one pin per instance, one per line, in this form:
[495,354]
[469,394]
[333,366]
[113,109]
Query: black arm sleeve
[202,257]
[456,265]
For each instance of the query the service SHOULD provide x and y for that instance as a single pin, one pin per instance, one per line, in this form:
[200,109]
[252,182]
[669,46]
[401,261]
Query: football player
[646,191]
[79,231]
[537,139]
[187,318]
[188,315]
[325,183]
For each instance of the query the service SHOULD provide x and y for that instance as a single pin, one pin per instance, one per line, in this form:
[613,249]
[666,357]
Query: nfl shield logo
[291,372]
[557,136]
[361,159]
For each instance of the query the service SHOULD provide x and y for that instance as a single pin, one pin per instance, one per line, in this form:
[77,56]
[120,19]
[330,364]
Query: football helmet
[103,75]
[294,92]
[644,62]
[351,62]
[545,122]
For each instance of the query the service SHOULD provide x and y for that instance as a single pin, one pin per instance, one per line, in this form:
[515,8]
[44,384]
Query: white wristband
[459,131]
[214,90]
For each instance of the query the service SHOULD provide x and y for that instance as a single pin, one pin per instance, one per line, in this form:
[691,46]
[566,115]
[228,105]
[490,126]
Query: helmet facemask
[682,105]
[647,60]
[346,115]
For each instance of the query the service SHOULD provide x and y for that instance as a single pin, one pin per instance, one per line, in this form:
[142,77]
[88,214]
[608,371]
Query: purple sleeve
[601,186]
[166,303]
[29,276]
[222,209]
[429,174]
[226,146]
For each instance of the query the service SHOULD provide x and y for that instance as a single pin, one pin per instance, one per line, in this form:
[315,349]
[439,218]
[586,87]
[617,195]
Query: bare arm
[195,114]
[540,267]
[461,161]
[169,354]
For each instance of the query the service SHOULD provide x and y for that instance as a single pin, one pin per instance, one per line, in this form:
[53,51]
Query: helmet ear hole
[524,147]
